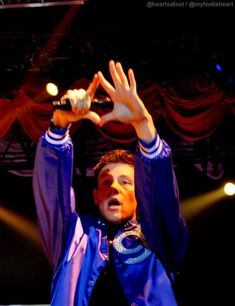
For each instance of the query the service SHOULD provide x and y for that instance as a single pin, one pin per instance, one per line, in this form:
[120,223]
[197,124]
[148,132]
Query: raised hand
[128,107]
[80,101]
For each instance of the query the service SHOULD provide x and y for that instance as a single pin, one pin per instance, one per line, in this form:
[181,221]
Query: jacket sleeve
[157,195]
[52,178]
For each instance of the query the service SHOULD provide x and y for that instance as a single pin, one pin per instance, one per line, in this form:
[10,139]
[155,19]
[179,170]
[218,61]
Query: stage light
[20,224]
[52,89]
[194,206]
[219,67]
[229,189]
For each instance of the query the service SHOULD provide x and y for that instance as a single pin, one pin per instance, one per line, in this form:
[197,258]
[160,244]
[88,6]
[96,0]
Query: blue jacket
[77,245]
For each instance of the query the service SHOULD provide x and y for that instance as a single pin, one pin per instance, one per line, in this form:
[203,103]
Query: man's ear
[95,196]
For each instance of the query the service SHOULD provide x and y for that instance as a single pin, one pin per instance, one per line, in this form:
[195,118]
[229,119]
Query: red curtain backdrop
[33,117]
[193,110]
[197,116]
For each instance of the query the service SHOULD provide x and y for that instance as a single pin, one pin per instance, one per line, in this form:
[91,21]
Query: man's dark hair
[113,157]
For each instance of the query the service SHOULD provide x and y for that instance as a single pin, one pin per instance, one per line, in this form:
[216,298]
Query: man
[122,257]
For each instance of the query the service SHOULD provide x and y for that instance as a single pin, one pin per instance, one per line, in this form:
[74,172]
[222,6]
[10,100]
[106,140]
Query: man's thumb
[107,117]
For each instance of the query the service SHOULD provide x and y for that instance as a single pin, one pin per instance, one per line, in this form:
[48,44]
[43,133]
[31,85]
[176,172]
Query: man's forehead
[123,168]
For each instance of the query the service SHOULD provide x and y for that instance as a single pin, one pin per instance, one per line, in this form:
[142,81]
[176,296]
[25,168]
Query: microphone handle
[66,106]
[62,105]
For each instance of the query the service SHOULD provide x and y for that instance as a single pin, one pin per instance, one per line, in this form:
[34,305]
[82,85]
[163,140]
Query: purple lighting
[219,67]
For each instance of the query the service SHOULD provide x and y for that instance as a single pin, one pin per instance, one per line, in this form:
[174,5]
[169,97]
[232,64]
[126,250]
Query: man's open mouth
[114,202]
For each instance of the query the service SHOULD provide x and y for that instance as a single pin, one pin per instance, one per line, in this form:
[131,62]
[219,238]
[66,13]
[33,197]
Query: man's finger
[114,74]
[106,118]
[106,85]
[122,75]
[94,117]
[132,79]
[93,86]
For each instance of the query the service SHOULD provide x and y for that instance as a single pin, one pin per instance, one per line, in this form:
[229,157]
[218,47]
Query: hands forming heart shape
[128,108]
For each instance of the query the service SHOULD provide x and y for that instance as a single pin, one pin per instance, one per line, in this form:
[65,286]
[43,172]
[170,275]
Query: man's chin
[116,220]
[113,220]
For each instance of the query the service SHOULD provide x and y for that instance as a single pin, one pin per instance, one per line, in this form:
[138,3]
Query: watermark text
[189,4]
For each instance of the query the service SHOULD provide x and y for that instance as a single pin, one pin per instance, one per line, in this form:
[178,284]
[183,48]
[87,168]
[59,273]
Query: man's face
[115,195]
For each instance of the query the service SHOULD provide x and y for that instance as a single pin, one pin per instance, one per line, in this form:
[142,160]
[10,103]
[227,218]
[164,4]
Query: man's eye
[105,182]
[126,182]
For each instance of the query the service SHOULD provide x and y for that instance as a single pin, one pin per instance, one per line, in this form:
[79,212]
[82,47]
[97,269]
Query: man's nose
[115,186]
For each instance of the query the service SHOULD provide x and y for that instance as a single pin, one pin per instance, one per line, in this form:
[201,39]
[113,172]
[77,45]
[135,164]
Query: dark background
[162,45]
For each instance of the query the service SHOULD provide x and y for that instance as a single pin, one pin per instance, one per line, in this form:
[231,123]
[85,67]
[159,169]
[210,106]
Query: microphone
[66,106]
[62,105]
